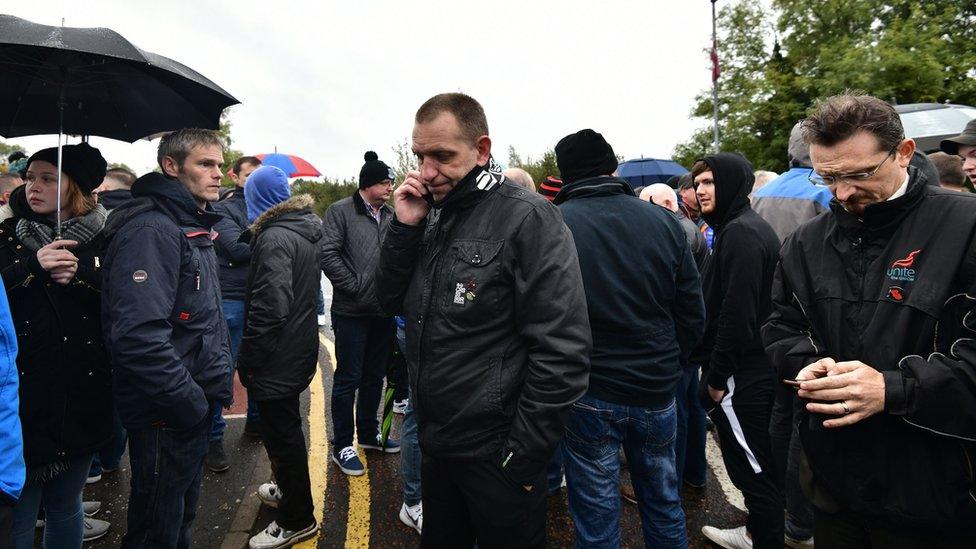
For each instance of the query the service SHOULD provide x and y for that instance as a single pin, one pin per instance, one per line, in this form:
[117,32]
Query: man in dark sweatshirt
[738,384]
[646,315]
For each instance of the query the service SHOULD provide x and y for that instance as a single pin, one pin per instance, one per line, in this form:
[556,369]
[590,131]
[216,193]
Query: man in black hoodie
[646,315]
[164,327]
[737,381]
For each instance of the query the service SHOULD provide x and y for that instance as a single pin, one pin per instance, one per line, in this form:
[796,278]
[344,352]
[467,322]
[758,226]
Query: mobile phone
[792,383]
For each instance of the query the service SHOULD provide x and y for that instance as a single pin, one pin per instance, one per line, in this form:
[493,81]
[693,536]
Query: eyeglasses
[831,180]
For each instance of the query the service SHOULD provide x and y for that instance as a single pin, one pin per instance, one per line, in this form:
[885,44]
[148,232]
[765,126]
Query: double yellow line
[357,520]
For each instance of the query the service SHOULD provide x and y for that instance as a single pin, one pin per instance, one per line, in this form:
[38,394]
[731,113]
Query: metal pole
[714,81]
[57,226]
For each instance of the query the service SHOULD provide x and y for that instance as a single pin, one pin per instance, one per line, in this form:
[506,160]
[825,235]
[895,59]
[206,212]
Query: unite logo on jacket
[901,270]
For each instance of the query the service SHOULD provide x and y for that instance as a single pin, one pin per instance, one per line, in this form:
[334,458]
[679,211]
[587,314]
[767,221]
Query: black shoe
[216,459]
[252,430]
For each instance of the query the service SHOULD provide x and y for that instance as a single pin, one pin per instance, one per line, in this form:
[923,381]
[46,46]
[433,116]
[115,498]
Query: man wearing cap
[645,317]
[873,315]
[497,338]
[354,228]
[964,146]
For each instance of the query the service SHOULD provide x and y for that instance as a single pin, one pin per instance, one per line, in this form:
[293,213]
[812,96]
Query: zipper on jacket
[198,279]
[30,276]
[425,307]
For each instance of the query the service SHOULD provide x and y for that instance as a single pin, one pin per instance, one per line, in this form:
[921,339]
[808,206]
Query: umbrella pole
[57,226]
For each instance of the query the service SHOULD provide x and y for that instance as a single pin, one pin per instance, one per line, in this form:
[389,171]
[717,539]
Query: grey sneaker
[91,508]
[94,529]
[274,536]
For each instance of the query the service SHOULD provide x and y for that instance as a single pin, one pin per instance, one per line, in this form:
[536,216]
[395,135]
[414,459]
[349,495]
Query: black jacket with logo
[280,348]
[498,340]
[895,291]
[161,312]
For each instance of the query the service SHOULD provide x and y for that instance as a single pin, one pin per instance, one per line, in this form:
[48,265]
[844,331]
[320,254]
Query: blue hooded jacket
[12,469]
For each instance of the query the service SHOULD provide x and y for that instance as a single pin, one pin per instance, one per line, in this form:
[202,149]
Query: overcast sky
[329,80]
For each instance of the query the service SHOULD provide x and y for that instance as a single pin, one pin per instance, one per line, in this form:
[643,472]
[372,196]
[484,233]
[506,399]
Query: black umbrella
[95,82]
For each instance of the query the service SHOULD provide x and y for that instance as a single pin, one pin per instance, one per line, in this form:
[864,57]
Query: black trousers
[848,530]
[472,501]
[6,526]
[787,452]
[281,427]
[742,423]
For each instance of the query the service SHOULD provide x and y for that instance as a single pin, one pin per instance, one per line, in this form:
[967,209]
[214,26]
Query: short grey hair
[762,178]
[177,145]
[520,177]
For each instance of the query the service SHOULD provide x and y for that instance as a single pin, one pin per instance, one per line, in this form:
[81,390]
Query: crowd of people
[534,337]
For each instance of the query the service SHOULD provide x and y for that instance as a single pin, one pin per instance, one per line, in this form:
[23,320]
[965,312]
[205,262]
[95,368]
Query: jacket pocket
[473,288]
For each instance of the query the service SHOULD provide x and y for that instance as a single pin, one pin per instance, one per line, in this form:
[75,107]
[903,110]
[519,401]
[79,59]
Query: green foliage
[230,155]
[538,169]
[776,64]
[325,192]
[403,161]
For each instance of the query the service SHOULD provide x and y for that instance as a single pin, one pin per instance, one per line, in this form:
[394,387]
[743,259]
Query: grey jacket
[350,253]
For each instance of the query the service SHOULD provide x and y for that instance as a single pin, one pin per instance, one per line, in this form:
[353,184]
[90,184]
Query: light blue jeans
[410,460]
[64,518]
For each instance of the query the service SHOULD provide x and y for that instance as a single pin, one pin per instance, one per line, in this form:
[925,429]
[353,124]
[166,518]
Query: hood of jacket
[294,214]
[883,217]
[472,188]
[734,178]
[604,185]
[114,199]
[153,191]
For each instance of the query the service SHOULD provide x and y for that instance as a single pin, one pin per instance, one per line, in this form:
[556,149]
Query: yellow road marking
[318,444]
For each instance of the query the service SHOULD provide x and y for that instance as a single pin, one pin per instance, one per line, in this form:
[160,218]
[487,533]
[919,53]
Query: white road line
[714,456]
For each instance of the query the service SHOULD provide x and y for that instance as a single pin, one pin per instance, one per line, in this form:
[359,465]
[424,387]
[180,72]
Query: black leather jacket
[498,338]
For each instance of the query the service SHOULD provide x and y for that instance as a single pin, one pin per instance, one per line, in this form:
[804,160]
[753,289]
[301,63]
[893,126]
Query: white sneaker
[321,320]
[275,536]
[733,538]
[94,529]
[400,406]
[269,494]
[413,516]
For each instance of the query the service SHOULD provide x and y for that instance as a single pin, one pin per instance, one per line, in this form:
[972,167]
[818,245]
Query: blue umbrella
[641,172]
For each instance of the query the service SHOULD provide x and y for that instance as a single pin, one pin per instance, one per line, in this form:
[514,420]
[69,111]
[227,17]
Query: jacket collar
[299,203]
[174,199]
[473,188]
[884,217]
[604,185]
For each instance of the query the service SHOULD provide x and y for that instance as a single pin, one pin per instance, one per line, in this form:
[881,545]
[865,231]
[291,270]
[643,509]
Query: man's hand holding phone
[412,200]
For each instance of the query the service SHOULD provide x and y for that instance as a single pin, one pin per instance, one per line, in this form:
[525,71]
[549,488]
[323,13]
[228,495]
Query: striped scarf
[35,235]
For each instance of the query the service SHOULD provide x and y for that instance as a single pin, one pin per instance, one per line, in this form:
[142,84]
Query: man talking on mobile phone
[497,333]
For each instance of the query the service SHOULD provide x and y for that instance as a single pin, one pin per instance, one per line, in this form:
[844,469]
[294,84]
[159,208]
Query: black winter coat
[350,252]
[894,291]
[498,340]
[643,293]
[233,255]
[280,348]
[65,377]
[163,320]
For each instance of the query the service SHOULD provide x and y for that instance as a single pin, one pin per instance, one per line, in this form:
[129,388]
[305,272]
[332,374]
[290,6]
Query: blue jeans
[234,313]
[410,458]
[595,430]
[64,519]
[167,465]
[110,455]
[689,448]
[363,346]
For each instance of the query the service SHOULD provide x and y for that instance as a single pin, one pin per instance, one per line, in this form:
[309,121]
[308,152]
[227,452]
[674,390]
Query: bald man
[520,177]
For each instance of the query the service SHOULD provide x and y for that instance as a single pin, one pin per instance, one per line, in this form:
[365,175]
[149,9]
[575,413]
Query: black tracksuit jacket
[894,290]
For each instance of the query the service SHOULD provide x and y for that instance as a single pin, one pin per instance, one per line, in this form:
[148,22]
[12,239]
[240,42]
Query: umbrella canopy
[292,165]
[105,85]
[641,172]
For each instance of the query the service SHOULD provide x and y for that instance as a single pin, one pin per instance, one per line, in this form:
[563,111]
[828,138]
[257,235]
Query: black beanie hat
[82,162]
[374,171]
[584,154]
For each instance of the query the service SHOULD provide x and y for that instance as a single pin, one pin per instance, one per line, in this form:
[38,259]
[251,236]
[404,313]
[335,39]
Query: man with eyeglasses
[872,314]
